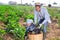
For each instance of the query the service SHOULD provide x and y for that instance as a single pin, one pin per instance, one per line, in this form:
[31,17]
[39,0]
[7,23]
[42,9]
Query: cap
[29,21]
[37,3]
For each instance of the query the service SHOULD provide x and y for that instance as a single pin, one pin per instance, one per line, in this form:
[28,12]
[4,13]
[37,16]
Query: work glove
[40,25]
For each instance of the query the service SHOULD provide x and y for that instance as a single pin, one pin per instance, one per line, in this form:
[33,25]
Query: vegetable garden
[10,16]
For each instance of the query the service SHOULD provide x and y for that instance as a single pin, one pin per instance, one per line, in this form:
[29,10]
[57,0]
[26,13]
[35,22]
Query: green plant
[29,16]
[19,33]
[2,33]
[10,16]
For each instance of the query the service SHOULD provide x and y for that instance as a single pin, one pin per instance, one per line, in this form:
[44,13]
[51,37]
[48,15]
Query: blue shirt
[43,13]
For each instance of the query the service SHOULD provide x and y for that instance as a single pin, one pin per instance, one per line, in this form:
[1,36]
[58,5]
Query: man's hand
[49,21]
[40,25]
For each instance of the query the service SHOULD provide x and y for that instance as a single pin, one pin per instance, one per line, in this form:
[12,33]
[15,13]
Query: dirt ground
[54,32]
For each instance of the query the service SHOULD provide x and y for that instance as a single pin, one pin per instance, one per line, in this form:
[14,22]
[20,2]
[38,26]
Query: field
[10,19]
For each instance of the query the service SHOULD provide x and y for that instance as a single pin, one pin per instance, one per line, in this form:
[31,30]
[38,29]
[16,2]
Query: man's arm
[47,17]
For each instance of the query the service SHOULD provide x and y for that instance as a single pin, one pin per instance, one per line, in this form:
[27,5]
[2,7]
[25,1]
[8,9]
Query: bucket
[35,36]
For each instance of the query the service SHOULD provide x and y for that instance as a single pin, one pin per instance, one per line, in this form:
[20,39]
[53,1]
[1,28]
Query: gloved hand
[40,25]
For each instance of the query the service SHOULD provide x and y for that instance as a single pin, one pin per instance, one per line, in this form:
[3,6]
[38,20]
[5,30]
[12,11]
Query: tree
[26,4]
[49,5]
[12,3]
[54,3]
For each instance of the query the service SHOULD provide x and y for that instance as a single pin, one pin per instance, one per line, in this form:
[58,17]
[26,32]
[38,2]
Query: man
[41,17]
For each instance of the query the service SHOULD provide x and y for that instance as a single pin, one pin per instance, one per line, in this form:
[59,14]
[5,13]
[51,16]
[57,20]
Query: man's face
[37,8]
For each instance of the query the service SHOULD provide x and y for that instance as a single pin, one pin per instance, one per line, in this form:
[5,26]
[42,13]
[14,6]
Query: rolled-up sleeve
[47,17]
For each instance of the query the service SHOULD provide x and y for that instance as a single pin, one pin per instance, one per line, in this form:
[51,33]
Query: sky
[46,2]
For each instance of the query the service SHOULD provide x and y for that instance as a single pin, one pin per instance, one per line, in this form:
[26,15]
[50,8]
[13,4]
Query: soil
[54,32]
[7,37]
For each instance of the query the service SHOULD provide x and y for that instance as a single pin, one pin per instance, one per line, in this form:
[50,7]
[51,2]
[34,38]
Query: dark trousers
[44,28]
